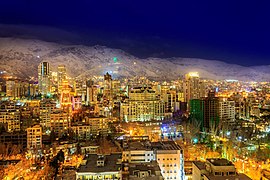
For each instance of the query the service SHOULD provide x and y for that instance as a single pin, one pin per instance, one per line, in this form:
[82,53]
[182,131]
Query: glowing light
[195,140]
[193,74]
[115,59]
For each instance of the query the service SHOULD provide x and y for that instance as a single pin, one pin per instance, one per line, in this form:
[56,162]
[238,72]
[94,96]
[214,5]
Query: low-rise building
[142,171]
[17,138]
[100,167]
[216,169]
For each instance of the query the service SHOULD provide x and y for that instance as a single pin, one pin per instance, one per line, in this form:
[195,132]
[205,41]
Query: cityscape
[134,91]
[105,128]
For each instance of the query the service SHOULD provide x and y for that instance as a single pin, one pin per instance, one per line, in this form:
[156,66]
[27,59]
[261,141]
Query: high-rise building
[10,116]
[61,76]
[44,78]
[107,91]
[226,111]
[16,88]
[66,97]
[34,137]
[91,93]
[142,105]
[10,88]
[194,87]
[211,111]
[46,108]
[60,122]
[197,111]
[207,111]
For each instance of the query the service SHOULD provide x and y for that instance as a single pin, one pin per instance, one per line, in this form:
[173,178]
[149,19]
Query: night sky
[232,31]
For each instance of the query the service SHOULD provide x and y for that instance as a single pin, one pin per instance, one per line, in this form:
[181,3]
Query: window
[218,173]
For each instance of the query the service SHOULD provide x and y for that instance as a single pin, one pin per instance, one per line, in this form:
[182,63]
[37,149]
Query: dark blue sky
[231,31]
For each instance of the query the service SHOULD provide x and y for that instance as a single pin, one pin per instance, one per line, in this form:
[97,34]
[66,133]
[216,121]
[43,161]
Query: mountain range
[21,58]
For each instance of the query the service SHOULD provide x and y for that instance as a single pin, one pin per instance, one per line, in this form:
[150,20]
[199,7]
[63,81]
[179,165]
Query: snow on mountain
[20,57]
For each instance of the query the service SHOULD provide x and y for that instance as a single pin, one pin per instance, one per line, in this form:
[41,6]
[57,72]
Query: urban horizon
[134,90]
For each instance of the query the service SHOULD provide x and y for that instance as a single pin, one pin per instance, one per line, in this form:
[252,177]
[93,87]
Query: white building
[168,154]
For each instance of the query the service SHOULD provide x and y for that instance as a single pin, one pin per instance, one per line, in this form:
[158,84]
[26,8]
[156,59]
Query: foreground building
[214,169]
[142,171]
[168,154]
[100,167]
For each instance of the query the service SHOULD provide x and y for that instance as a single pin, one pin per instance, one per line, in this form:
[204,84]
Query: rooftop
[111,164]
[220,162]
[147,145]
[131,170]
[166,145]
[237,177]
[200,165]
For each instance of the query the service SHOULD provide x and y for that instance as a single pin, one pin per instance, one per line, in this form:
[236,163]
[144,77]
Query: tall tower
[61,76]
[107,87]
[44,78]
[211,112]
[91,92]
[193,87]
[66,98]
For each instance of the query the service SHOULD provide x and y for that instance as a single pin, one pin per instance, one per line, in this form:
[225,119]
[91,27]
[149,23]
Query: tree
[192,129]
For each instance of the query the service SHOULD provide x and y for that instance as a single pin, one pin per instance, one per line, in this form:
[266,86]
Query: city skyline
[134,90]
